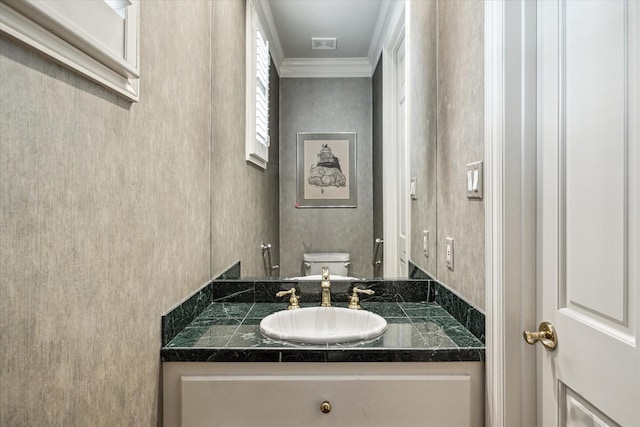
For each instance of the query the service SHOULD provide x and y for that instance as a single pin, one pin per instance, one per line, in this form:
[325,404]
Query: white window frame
[88,37]
[257,149]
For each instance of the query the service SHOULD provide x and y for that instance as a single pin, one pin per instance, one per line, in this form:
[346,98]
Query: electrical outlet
[449,255]
[425,243]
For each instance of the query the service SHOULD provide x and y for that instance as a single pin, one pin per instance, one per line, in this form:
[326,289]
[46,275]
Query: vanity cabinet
[359,394]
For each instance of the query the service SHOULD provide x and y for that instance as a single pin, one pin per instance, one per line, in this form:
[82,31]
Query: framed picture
[326,170]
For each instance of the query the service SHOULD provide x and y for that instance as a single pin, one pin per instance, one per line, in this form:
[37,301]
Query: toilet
[338,263]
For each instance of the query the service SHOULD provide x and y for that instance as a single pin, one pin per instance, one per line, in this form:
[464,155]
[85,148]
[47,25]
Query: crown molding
[275,45]
[325,67]
[377,38]
[390,10]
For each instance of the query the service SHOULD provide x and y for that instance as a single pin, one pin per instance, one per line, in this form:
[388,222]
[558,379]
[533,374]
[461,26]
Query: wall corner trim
[494,145]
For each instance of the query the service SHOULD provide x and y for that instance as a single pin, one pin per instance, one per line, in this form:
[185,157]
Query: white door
[588,193]
[402,165]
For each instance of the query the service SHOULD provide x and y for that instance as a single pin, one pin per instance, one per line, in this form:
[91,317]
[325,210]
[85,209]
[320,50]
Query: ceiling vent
[324,43]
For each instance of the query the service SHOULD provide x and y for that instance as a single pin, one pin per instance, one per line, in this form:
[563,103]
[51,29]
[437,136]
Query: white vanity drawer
[356,400]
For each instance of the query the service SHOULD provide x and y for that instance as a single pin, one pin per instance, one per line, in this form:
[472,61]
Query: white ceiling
[351,21]
[357,24]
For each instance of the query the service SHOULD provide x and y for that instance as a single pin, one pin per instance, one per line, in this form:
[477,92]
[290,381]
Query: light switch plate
[425,243]
[412,188]
[449,253]
[474,180]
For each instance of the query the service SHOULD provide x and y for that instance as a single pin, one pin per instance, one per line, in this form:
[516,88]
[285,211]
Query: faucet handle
[354,301]
[294,301]
[356,290]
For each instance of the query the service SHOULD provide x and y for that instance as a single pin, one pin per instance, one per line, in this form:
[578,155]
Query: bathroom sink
[315,277]
[323,325]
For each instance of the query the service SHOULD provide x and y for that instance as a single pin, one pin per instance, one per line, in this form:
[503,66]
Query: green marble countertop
[417,331]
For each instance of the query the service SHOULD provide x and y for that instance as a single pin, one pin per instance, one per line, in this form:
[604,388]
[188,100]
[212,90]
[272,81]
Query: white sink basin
[316,277]
[323,325]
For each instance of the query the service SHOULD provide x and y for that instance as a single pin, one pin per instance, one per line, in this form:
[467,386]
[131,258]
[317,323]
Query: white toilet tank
[338,263]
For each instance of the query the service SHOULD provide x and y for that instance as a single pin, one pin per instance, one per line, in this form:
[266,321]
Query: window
[96,39]
[258,60]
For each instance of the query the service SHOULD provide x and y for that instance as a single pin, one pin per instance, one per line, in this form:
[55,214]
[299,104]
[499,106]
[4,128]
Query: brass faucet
[354,301]
[293,301]
[326,288]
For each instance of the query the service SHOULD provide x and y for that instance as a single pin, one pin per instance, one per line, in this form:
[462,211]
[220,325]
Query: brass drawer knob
[325,407]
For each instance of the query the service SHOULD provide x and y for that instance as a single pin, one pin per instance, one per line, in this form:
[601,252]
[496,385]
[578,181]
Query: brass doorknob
[325,407]
[546,335]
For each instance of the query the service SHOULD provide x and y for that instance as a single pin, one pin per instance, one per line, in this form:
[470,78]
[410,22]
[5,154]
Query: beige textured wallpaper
[326,105]
[244,202]
[460,141]
[105,217]
[447,132]
[421,32]
[377,161]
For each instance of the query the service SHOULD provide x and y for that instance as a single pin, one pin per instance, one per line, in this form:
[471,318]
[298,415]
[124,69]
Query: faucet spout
[325,285]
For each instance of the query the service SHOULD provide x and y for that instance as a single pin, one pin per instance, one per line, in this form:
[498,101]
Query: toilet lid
[326,257]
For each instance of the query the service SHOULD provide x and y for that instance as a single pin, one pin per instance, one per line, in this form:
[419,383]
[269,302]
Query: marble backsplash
[228,287]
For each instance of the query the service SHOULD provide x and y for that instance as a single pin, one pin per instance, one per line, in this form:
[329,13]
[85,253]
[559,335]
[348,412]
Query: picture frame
[326,170]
